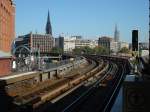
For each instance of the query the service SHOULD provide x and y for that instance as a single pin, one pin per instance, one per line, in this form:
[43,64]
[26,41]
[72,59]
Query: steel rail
[86,93]
[108,105]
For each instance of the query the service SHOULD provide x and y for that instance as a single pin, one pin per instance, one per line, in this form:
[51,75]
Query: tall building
[135,41]
[59,42]
[7,25]
[105,42]
[69,44]
[48,25]
[108,43]
[116,34]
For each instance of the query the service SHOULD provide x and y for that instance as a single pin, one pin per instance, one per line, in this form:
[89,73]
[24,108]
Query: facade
[82,43]
[86,42]
[123,44]
[73,42]
[93,43]
[35,43]
[5,63]
[7,25]
[114,47]
[7,35]
[69,44]
[105,42]
[130,46]
[108,43]
[59,42]
[143,45]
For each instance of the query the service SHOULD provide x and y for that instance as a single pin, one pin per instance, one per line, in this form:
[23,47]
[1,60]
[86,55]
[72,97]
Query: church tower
[48,25]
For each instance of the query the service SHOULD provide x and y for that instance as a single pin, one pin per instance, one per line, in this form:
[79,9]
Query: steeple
[48,25]
[116,34]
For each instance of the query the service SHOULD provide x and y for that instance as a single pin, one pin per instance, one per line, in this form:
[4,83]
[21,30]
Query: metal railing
[26,65]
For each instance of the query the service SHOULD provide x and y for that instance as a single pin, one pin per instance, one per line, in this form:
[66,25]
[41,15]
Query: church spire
[48,25]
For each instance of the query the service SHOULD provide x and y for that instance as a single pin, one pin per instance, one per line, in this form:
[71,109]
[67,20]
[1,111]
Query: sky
[88,18]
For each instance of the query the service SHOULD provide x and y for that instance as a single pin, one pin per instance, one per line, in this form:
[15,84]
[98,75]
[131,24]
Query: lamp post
[39,60]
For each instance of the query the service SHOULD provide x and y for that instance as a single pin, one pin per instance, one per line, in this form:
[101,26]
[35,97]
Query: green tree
[77,51]
[56,50]
[124,50]
[87,50]
[101,50]
[83,50]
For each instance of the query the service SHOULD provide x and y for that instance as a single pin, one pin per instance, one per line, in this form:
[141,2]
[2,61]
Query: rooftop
[106,38]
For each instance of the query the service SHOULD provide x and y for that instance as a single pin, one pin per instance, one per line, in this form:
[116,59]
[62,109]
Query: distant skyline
[88,18]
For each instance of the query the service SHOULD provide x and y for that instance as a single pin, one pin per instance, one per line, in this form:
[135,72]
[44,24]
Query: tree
[87,50]
[77,51]
[124,50]
[83,50]
[101,50]
[56,50]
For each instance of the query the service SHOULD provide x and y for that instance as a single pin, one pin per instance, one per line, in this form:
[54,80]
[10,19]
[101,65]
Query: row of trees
[88,50]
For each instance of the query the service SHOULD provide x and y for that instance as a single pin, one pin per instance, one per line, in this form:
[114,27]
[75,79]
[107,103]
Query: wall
[5,66]
[7,25]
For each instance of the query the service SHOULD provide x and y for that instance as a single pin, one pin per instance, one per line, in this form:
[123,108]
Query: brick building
[7,35]
[5,64]
[7,24]
[35,43]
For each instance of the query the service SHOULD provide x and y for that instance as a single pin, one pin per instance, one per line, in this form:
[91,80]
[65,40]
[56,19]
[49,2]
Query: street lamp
[39,61]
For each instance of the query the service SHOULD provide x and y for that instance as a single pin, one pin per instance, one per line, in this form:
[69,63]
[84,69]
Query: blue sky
[89,18]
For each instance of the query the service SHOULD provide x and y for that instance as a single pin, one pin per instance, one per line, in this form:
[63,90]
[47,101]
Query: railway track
[77,104]
[98,97]
[77,91]
[75,96]
[34,100]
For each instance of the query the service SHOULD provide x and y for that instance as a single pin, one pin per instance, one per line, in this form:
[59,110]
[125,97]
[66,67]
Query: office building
[116,34]
[108,43]
[59,42]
